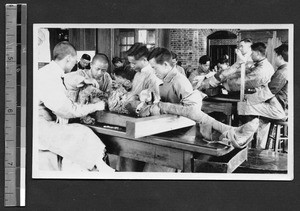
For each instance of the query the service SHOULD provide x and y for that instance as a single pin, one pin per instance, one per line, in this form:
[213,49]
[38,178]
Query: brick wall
[190,44]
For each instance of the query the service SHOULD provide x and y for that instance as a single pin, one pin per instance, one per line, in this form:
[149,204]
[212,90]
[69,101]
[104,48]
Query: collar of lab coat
[169,77]
[57,69]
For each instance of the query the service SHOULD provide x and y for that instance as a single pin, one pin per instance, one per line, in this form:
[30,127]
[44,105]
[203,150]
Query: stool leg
[270,138]
[277,138]
[285,140]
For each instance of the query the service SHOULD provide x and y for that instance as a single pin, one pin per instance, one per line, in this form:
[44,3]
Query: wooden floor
[264,161]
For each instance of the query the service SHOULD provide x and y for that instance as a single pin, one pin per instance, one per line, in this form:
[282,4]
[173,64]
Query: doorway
[221,43]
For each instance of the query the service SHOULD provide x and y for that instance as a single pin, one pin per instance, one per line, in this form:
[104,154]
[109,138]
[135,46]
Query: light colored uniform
[176,88]
[268,105]
[72,79]
[181,70]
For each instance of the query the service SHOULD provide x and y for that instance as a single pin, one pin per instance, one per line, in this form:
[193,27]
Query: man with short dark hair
[84,63]
[117,62]
[145,77]
[203,69]
[76,143]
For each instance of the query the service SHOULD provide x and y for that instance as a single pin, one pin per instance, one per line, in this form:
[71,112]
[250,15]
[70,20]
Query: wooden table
[182,149]
[222,103]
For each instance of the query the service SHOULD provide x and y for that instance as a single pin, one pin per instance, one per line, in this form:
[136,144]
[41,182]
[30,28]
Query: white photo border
[36,174]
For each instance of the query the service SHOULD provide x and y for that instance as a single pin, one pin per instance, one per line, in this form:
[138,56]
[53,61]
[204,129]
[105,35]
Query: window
[126,40]
[147,37]
[129,36]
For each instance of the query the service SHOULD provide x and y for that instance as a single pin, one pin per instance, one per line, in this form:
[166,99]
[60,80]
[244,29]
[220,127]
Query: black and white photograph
[163,101]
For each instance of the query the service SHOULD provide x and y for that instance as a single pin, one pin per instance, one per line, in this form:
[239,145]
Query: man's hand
[91,81]
[114,84]
[145,95]
[100,106]
[149,110]
[155,109]
[239,57]
[87,120]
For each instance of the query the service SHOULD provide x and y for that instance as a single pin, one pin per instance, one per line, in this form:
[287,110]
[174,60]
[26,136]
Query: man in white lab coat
[76,143]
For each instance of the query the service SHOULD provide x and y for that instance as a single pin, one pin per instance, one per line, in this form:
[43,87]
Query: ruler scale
[15,104]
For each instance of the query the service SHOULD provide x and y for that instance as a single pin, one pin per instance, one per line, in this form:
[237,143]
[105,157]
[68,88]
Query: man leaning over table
[179,98]
[76,143]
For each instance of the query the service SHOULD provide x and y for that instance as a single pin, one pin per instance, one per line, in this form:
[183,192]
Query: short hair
[223,60]
[125,72]
[100,57]
[63,49]
[248,40]
[160,55]
[204,59]
[138,50]
[174,55]
[86,57]
[259,46]
[116,60]
[283,51]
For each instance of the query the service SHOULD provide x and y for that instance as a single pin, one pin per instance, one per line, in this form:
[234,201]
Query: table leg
[188,164]
[229,120]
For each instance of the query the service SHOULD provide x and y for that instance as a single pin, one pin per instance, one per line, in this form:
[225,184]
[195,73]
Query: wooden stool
[276,139]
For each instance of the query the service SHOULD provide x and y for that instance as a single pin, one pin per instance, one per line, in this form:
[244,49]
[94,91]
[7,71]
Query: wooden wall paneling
[89,42]
[116,48]
[136,35]
[104,41]
[112,42]
[83,39]
[104,44]
[53,39]
[158,37]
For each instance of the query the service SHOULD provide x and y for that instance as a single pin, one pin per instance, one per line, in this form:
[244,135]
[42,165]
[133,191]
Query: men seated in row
[179,98]
[258,75]
[175,87]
